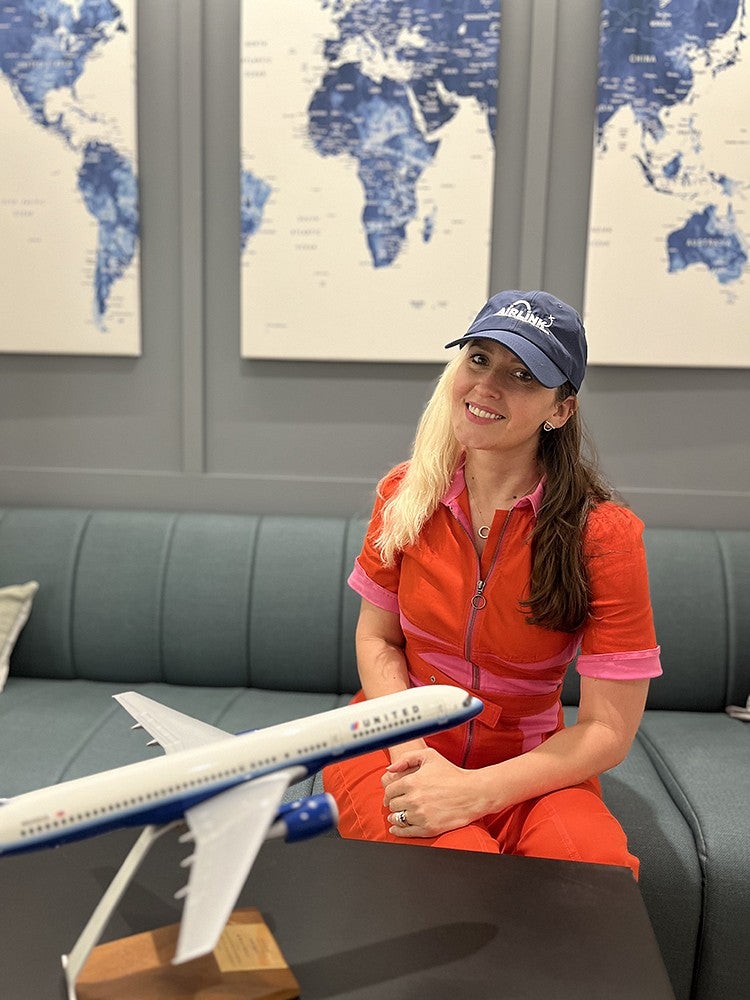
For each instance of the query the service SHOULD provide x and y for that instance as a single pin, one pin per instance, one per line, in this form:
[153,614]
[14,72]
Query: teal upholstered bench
[247,621]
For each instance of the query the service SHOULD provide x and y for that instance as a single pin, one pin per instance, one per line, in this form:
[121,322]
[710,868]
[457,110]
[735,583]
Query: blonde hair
[558,595]
[435,457]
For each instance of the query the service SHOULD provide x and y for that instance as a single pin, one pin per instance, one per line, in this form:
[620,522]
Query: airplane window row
[313,749]
[370,730]
[62,821]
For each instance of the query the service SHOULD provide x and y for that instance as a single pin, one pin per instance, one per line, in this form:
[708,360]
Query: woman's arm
[438,796]
[609,714]
[379,644]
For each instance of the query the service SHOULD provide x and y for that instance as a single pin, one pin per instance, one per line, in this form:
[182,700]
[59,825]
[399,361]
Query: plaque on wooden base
[245,965]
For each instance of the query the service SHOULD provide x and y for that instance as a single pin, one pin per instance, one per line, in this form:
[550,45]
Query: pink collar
[458,485]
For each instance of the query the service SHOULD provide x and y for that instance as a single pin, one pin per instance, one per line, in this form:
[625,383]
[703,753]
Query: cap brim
[540,366]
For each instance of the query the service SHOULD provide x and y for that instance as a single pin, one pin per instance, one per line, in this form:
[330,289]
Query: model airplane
[227,789]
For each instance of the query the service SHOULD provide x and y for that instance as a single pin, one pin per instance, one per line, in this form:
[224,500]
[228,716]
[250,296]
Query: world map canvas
[69,225]
[367,174]
[668,270]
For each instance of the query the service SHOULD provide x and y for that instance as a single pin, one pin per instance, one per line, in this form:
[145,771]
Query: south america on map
[668,266]
[367,175]
[69,211]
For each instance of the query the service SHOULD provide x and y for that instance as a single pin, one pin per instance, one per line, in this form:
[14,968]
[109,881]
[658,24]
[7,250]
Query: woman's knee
[574,824]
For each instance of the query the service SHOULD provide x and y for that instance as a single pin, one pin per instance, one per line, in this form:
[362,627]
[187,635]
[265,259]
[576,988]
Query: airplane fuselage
[161,790]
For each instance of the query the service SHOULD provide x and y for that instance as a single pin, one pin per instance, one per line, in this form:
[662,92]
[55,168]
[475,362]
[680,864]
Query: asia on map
[668,266]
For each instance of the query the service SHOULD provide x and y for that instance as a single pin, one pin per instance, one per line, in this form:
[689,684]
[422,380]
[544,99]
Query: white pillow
[15,608]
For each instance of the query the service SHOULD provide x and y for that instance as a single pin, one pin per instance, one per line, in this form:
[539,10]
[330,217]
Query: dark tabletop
[360,920]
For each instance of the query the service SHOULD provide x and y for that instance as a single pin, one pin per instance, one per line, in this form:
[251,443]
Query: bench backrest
[225,600]
[214,600]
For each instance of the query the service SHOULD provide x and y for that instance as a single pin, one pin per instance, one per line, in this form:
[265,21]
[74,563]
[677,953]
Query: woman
[491,558]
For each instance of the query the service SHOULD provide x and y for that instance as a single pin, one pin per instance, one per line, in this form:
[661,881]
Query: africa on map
[367,175]
[69,262]
[669,230]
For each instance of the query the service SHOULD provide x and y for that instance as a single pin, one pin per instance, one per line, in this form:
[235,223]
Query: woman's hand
[436,795]
[402,750]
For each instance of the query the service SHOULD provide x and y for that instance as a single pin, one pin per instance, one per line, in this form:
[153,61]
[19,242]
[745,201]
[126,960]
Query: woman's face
[497,404]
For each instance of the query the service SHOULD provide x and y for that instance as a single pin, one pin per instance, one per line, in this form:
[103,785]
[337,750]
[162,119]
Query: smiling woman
[492,557]
[499,406]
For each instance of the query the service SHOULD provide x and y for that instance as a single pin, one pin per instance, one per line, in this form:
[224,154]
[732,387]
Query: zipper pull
[479,601]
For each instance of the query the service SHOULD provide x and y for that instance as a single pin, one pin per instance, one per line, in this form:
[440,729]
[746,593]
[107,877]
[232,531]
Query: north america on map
[46,48]
[655,59]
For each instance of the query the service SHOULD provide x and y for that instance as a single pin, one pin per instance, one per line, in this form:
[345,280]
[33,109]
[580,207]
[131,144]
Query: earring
[547,426]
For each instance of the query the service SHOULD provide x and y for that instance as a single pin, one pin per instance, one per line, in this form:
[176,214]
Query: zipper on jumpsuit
[478,603]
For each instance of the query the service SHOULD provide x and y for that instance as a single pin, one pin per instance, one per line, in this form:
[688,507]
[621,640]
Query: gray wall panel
[189,425]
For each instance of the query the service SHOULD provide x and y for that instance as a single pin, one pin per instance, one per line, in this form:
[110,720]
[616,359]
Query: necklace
[484,529]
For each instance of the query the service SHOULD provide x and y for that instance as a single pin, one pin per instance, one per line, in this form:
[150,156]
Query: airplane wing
[170,728]
[228,831]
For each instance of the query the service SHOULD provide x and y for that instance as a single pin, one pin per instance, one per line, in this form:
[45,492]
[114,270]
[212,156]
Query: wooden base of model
[245,965]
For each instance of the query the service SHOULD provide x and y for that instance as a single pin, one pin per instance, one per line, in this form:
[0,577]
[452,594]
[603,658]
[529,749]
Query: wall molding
[262,493]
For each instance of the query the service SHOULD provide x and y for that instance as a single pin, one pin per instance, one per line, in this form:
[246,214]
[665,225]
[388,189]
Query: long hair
[436,454]
[559,595]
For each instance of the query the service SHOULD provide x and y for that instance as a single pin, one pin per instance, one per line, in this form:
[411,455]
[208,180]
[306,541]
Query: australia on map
[669,222]
[68,180]
[367,172]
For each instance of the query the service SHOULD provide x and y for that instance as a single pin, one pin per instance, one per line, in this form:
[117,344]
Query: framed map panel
[367,175]
[69,225]
[668,266]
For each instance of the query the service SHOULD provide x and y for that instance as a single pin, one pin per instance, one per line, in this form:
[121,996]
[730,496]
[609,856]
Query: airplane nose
[476,705]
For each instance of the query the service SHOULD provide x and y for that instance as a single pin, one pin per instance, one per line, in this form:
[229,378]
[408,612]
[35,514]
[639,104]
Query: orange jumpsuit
[463,624]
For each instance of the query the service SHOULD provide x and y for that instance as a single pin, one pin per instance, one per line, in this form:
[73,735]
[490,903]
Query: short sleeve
[370,578]
[618,641]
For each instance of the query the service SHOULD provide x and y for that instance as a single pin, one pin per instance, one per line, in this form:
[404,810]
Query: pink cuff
[371,591]
[621,666]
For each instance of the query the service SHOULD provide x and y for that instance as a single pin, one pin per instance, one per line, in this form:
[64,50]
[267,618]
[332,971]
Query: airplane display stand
[245,965]
[76,958]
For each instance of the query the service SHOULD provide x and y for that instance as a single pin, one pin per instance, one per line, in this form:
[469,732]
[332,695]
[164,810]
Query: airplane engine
[305,818]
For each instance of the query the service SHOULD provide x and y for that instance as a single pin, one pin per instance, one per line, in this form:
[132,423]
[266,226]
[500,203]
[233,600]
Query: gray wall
[189,425]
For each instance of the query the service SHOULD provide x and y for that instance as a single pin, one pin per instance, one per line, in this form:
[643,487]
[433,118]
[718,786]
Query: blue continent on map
[44,47]
[110,191]
[373,122]
[709,240]
[645,58]
[643,54]
[442,53]
[254,194]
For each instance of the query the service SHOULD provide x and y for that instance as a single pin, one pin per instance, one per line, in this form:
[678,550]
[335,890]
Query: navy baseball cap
[540,329]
